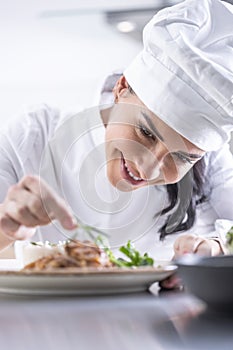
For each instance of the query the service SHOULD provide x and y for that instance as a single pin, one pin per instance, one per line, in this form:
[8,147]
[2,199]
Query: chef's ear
[121,88]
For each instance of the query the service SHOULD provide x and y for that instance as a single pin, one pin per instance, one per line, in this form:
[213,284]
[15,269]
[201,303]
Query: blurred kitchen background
[59,51]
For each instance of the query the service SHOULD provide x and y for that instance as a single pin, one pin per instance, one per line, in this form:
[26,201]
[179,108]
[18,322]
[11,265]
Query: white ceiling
[57,60]
[11,9]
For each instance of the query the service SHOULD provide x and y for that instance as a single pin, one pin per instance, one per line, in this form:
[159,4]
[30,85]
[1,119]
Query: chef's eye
[182,158]
[146,132]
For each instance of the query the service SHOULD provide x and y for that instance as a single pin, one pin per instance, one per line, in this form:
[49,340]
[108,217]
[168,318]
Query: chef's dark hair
[184,214]
[183,207]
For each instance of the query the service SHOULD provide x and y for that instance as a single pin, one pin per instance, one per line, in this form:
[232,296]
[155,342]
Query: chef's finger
[8,226]
[22,215]
[171,282]
[55,207]
[28,200]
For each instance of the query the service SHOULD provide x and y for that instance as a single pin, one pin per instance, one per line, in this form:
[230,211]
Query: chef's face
[141,149]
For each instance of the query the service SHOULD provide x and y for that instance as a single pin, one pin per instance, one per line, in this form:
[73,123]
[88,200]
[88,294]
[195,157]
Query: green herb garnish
[135,258]
[37,244]
[229,242]
[133,255]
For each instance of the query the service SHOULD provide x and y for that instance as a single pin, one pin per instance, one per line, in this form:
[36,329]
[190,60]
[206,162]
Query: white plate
[82,281]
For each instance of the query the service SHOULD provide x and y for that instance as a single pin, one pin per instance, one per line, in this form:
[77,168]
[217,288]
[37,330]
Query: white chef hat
[184,73]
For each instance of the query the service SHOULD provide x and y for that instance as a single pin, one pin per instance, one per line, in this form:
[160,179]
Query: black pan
[209,278]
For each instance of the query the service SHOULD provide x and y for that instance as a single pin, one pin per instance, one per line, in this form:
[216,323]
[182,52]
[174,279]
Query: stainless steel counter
[117,322]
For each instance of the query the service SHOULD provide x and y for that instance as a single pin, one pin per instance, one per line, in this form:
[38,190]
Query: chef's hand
[30,203]
[191,244]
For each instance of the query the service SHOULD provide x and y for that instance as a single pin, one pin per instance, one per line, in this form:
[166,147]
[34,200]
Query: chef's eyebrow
[151,125]
[156,132]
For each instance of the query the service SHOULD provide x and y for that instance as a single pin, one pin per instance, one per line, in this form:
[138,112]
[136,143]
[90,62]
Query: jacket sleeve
[22,142]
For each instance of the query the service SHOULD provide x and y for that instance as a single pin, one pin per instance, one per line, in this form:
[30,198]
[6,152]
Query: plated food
[76,253]
[82,268]
[69,255]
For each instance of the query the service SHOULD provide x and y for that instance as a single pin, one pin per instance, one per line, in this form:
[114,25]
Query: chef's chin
[125,186]
[121,185]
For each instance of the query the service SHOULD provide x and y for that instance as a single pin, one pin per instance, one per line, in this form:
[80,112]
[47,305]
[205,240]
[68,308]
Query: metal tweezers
[91,231]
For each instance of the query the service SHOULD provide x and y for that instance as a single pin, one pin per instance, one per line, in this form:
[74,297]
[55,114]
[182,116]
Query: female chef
[152,163]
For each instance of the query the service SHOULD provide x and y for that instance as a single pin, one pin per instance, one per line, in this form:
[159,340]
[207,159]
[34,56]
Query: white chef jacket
[68,152]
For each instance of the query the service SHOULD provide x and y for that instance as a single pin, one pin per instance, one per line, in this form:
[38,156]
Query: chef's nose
[153,162]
